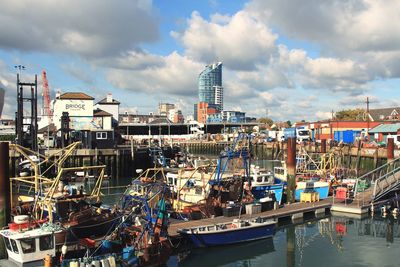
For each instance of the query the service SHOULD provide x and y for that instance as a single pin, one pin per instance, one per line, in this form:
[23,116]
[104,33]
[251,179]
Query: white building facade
[79,107]
[109,105]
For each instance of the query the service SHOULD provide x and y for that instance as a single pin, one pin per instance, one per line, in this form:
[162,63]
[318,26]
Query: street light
[20,68]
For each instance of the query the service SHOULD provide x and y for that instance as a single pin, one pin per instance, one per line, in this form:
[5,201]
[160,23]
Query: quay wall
[363,158]
[121,162]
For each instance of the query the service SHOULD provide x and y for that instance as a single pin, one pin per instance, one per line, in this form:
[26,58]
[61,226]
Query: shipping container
[347,137]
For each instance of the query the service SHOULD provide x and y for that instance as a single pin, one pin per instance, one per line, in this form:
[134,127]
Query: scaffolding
[26,118]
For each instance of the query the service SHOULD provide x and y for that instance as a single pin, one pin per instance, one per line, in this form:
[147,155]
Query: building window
[101,135]
[46,242]
[28,245]
[14,246]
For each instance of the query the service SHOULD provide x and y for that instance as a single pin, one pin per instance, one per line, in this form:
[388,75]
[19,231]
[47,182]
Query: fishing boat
[237,231]
[58,201]
[311,183]
[29,242]
[264,184]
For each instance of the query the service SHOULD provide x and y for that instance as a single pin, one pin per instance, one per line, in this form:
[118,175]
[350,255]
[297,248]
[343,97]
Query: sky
[288,59]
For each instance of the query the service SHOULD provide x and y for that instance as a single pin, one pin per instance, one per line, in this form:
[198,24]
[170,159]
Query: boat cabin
[28,246]
[262,179]
[280,173]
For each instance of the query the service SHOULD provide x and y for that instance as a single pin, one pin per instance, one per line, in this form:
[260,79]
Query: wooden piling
[323,146]
[390,149]
[291,169]
[376,158]
[5,198]
[358,161]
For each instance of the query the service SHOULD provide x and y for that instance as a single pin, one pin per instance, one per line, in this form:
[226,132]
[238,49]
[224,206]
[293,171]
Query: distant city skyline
[298,60]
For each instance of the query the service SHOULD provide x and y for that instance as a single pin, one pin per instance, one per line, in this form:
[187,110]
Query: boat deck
[292,211]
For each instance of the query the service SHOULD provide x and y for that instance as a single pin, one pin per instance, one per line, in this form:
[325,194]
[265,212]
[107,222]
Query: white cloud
[323,115]
[90,28]
[177,75]
[364,31]
[240,41]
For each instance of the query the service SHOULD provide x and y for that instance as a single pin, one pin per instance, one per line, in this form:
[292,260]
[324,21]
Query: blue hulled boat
[264,184]
[237,231]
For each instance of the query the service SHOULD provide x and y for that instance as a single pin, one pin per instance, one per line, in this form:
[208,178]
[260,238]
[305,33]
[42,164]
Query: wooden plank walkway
[286,211]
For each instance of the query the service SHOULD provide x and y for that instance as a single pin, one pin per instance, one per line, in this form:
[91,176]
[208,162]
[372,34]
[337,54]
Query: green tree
[266,120]
[350,115]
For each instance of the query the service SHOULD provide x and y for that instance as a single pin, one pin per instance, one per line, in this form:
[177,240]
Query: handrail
[391,174]
[387,168]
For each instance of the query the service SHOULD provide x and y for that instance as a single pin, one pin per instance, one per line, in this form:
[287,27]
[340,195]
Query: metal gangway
[378,183]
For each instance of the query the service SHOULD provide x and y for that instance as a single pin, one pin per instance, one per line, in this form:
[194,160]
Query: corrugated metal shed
[386,128]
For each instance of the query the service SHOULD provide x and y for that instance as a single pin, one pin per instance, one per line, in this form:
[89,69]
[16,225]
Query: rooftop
[384,113]
[75,95]
[385,128]
[113,102]
[101,113]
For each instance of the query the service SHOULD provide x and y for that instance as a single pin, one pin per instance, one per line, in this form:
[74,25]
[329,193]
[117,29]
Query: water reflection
[336,228]
[332,241]
[290,246]
[218,256]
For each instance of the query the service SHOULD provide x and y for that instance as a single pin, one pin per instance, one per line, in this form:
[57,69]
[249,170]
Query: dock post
[323,146]
[376,153]
[358,162]
[390,149]
[291,169]
[5,198]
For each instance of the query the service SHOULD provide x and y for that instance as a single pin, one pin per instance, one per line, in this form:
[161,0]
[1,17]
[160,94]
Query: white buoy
[64,249]
[139,171]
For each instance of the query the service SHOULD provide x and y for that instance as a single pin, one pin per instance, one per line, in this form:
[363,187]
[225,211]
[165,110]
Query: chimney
[58,94]
[109,98]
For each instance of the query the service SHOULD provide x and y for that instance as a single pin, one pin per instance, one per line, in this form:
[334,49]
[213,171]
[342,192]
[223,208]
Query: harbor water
[332,241]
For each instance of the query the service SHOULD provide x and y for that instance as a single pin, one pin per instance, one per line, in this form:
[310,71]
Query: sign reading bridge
[75,106]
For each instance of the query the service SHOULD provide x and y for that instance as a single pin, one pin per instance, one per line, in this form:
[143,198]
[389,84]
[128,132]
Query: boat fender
[64,249]
[111,261]
[20,219]
[104,263]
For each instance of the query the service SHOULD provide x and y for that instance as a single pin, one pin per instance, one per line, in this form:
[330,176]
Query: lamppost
[19,68]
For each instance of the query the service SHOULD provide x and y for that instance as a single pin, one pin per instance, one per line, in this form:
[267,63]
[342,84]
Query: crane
[46,97]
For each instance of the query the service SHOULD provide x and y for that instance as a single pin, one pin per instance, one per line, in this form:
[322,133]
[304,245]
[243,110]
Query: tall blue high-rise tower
[210,86]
